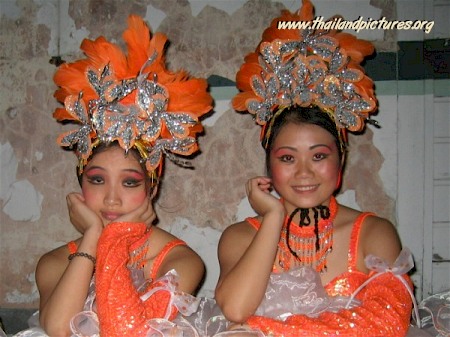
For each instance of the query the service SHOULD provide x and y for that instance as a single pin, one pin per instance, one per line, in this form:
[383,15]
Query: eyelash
[97,180]
[316,157]
[286,158]
[132,182]
[320,156]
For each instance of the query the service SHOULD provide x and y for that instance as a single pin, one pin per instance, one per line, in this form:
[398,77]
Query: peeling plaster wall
[207,38]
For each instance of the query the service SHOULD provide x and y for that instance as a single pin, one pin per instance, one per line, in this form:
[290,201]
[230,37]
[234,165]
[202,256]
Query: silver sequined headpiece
[306,68]
[133,110]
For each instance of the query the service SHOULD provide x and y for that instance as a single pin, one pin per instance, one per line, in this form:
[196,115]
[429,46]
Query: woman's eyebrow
[285,147]
[320,145]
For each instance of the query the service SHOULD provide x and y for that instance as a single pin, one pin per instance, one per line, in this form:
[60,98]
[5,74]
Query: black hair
[300,115]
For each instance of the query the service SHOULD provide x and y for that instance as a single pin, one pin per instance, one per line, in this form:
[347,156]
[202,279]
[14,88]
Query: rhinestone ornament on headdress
[311,69]
[134,111]
[141,122]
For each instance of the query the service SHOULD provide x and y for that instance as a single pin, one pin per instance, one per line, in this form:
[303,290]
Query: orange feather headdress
[306,68]
[132,99]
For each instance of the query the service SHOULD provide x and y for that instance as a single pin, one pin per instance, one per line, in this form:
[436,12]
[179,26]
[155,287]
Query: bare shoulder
[240,233]
[379,237]
[158,239]
[162,238]
[233,242]
[188,264]
[51,266]
[54,258]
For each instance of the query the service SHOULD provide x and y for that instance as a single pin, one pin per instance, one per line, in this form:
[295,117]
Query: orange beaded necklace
[305,245]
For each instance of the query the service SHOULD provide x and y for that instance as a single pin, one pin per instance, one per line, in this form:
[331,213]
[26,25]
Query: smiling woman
[305,231]
[307,265]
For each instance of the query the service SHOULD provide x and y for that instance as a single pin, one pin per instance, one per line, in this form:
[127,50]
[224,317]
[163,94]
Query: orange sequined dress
[382,308]
[122,301]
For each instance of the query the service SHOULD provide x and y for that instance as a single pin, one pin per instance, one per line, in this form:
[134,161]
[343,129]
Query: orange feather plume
[352,49]
[142,70]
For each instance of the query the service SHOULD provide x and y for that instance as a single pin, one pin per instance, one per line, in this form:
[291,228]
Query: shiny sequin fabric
[121,311]
[384,310]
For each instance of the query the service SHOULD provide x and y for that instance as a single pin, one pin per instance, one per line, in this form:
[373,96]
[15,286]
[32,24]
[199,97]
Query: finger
[264,181]
[253,182]
[70,197]
[247,187]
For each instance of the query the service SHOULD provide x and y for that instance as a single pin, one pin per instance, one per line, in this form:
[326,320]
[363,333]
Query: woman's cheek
[138,198]
[89,196]
[331,172]
[277,174]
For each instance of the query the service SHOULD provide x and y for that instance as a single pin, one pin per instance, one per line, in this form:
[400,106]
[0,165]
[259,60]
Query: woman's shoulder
[242,228]
[376,225]
[169,252]
[239,234]
[58,254]
[51,263]
[379,237]
[162,243]
[369,220]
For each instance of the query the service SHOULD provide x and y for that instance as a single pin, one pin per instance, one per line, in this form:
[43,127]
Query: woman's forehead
[303,132]
[114,156]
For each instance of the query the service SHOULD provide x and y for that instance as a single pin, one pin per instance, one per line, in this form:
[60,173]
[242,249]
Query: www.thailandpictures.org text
[358,24]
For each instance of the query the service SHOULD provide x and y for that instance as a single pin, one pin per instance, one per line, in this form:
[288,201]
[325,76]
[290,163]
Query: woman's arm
[63,285]
[120,305]
[379,238]
[246,258]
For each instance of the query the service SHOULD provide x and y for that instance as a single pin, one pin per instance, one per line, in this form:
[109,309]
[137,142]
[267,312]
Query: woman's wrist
[83,255]
[275,217]
[94,231]
[89,241]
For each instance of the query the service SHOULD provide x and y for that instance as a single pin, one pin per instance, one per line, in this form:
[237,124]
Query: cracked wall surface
[206,38]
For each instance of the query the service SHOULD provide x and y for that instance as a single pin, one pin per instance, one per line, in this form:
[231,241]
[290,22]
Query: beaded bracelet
[86,255]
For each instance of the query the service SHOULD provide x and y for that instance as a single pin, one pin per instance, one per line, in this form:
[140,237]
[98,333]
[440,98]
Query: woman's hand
[262,201]
[143,214]
[81,216]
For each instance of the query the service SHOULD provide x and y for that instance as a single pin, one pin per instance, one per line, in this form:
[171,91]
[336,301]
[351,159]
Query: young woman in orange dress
[124,276]
[307,265]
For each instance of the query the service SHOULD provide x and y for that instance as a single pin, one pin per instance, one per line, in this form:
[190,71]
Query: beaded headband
[305,68]
[132,99]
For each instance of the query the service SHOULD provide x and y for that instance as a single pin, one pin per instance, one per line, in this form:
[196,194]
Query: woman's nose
[303,169]
[112,197]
